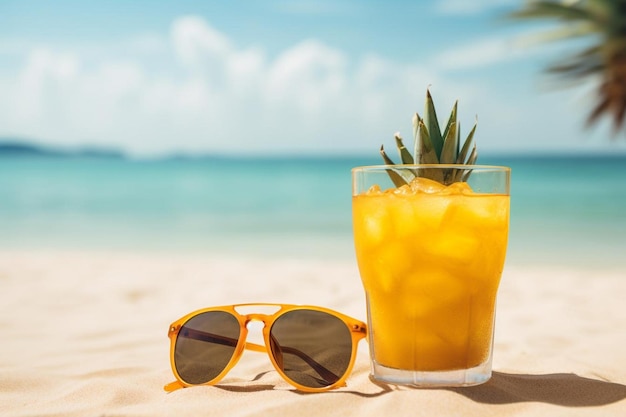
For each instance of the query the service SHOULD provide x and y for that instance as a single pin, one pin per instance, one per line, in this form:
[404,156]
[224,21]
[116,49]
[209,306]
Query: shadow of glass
[562,389]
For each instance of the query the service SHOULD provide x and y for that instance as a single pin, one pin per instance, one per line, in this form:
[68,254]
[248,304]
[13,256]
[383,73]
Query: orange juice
[430,258]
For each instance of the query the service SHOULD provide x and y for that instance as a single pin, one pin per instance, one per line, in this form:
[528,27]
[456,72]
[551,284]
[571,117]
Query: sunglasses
[312,348]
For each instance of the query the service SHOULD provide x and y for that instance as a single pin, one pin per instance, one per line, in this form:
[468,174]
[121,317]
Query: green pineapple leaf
[451,119]
[450,146]
[470,161]
[415,122]
[433,148]
[405,155]
[466,146]
[427,155]
[397,179]
[473,156]
[431,122]
[462,155]
[449,153]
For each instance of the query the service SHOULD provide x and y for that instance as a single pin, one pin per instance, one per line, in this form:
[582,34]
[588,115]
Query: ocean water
[564,210]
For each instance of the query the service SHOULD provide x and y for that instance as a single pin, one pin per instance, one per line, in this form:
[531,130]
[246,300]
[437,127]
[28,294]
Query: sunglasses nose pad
[277,352]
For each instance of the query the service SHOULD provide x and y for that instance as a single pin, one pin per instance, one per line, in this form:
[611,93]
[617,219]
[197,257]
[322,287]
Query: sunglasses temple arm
[212,338]
[208,337]
[173,386]
[219,339]
[321,370]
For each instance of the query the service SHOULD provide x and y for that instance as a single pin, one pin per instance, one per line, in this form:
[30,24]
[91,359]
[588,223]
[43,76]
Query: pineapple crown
[434,147]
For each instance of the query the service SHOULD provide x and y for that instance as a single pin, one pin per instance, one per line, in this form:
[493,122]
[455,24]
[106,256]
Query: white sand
[85,334]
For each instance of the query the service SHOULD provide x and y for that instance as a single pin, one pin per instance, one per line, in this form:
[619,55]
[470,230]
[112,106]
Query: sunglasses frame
[357,328]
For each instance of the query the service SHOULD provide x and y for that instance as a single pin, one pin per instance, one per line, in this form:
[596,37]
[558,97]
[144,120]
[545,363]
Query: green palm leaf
[602,61]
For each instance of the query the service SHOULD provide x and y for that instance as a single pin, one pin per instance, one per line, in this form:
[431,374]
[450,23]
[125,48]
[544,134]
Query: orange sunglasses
[312,348]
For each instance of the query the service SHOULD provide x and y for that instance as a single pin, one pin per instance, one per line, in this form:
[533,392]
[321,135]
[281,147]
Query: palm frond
[586,63]
[604,23]
[553,10]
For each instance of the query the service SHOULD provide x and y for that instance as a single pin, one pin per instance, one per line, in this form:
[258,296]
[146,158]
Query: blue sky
[259,77]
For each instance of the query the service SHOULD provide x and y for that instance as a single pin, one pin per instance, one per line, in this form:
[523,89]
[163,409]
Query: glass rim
[374,168]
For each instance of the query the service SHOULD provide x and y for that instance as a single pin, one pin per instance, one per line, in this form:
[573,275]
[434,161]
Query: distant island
[15,148]
[24,148]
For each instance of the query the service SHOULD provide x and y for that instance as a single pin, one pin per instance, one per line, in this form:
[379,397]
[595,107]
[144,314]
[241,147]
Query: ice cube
[374,190]
[404,190]
[457,188]
[425,185]
[391,263]
[456,247]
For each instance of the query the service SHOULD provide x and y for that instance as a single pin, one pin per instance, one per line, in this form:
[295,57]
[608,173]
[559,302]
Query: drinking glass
[430,258]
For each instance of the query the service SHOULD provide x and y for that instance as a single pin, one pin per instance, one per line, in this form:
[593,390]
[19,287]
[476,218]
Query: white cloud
[309,75]
[194,41]
[197,91]
[44,74]
[213,97]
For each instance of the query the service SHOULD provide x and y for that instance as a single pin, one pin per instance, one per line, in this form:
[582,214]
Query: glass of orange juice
[430,258]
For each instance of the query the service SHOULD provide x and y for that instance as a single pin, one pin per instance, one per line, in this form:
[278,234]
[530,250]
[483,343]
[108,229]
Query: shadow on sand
[568,390]
[563,389]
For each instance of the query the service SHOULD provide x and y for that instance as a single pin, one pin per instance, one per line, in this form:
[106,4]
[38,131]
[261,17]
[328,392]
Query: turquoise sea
[565,210]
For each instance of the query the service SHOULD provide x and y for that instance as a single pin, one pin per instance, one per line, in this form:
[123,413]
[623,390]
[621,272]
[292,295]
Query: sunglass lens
[204,346]
[312,347]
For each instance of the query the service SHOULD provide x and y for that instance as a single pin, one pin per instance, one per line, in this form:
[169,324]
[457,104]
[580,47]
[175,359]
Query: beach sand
[85,334]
